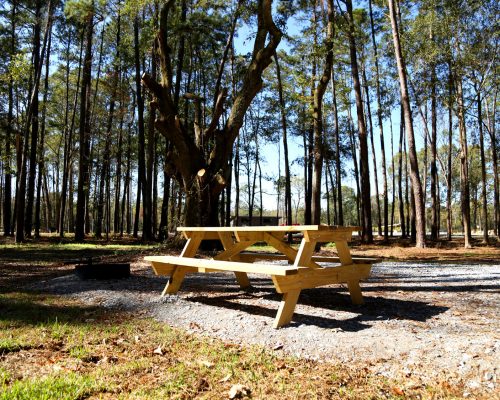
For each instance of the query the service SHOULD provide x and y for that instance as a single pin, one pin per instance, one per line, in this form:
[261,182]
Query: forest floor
[429,329]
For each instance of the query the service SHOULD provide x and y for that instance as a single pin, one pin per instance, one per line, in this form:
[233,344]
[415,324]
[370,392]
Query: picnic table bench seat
[164,265]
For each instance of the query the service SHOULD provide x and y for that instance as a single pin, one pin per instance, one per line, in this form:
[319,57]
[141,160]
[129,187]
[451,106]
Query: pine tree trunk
[414,173]
[483,167]
[288,187]
[434,175]
[494,158]
[400,178]
[385,194]
[41,163]
[68,132]
[84,139]
[147,233]
[372,143]
[359,208]
[464,168]
[118,179]
[393,179]
[35,123]
[318,120]
[7,203]
[32,110]
[367,234]
[338,167]
[449,158]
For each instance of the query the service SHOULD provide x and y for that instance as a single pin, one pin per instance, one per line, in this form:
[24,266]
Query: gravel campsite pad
[423,323]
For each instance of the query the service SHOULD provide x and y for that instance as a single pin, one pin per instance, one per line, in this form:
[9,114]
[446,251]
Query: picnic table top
[259,228]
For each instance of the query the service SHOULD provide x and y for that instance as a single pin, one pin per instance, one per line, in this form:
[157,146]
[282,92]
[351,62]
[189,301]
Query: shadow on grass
[31,309]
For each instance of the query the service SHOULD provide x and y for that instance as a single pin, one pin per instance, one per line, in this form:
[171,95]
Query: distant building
[244,220]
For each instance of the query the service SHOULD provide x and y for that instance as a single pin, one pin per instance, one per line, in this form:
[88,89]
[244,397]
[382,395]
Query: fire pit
[102,270]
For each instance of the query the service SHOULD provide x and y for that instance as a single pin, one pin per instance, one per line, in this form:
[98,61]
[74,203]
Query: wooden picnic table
[303,270]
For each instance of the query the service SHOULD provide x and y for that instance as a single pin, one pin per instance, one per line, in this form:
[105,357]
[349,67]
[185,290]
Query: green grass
[65,387]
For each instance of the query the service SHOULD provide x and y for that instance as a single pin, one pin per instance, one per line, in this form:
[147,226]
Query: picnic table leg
[355,292]
[232,249]
[286,308]
[346,259]
[190,249]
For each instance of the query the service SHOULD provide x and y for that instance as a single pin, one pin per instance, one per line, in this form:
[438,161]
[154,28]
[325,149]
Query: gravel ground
[420,322]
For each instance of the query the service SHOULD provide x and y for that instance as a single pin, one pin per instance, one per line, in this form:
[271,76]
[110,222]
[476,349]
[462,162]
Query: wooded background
[135,116]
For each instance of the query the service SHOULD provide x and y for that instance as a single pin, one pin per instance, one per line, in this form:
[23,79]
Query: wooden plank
[287,228]
[200,263]
[303,258]
[192,244]
[234,250]
[289,252]
[227,241]
[254,256]
[286,308]
[355,292]
[308,278]
[343,252]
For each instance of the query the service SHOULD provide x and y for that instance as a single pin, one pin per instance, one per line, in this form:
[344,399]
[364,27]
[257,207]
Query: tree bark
[434,175]
[483,167]
[385,195]
[372,143]
[7,203]
[449,158]
[494,158]
[464,168]
[414,173]
[41,162]
[84,126]
[68,131]
[338,171]
[400,177]
[288,187]
[318,118]
[367,233]
[35,123]
[147,233]
[32,106]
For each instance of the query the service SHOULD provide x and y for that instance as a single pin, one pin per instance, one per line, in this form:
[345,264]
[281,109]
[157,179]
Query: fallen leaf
[398,391]
[226,378]
[207,364]
[239,391]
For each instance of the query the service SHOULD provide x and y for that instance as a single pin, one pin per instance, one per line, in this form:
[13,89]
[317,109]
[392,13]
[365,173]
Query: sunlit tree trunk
[288,188]
[414,173]
[367,234]
[464,167]
[318,119]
